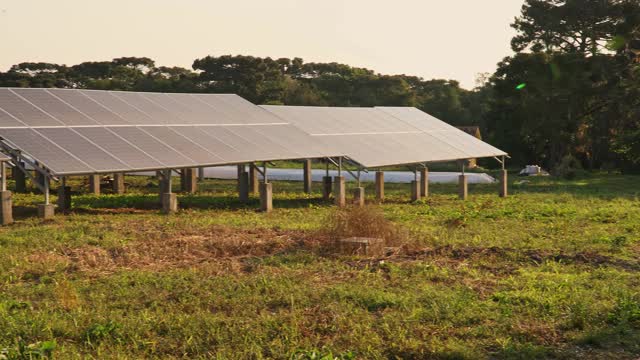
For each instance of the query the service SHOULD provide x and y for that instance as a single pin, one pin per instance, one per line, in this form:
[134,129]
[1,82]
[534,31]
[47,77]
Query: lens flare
[521,86]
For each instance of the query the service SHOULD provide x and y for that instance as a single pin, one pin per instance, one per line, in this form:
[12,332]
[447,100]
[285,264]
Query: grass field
[550,272]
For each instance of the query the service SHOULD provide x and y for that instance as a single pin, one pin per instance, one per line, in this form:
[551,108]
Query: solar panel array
[468,144]
[376,137]
[88,131]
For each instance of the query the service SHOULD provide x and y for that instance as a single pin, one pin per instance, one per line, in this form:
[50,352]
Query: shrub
[568,167]
[367,221]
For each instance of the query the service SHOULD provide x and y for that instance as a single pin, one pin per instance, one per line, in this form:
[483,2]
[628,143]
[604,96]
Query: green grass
[552,271]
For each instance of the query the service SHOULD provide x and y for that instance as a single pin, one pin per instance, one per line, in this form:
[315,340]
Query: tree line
[570,90]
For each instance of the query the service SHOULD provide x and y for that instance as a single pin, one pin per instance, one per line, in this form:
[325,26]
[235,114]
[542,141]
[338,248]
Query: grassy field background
[552,271]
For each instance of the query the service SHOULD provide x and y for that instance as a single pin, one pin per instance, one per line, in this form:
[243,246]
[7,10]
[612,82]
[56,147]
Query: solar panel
[24,111]
[92,109]
[222,149]
[46,152]
[455,138]
[128,152]
[155,112]
[200,112]
[377,137]
[126,112]
[150,145]
[55,108]
[185,146]
[83,149]
[90,131]
[7,120]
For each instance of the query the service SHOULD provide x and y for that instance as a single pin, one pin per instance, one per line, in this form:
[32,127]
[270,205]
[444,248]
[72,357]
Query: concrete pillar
[189,180]
[244,187]
[64,198]
[379,185]
[462,187]
[266,197]
[200,173]
[118,183]
[169,203]
[415,190]
[358,196]
[326,187]
[94,184]
[503,183]
[424,182]
[46,211]
[21,179]
[338,191]
[307,176]
[6,208]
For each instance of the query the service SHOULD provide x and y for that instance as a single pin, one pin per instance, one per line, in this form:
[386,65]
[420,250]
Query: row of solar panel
[82,131]
[20,107]
[82,150]
[385,136]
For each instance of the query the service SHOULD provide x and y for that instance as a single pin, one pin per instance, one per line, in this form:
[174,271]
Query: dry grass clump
[367,221]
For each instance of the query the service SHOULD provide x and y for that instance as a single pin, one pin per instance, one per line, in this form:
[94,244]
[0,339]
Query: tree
[575,26]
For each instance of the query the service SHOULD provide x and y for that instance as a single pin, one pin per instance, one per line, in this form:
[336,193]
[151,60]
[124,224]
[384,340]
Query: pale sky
[450,39]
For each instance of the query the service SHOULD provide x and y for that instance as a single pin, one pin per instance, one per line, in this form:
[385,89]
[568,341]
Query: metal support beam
[167,178]
[3,176]
[306,177]
[46,191]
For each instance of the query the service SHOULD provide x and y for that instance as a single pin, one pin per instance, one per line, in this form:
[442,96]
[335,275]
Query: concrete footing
[64,198]
[46,211]
[415,190]
[254,182]
[327,185]
[358,196]
[169,203]
[94,184]
[6,208]
[189,181]
[21,180]
[379,185]
[338,191]
[503,183]
[361,246]
[266,197]
[424,182]
[463,191]
[243,187]
[307,176]
[118,183]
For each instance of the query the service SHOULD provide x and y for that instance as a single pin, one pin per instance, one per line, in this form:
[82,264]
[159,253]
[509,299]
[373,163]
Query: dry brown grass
[218,249]
[367,221]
